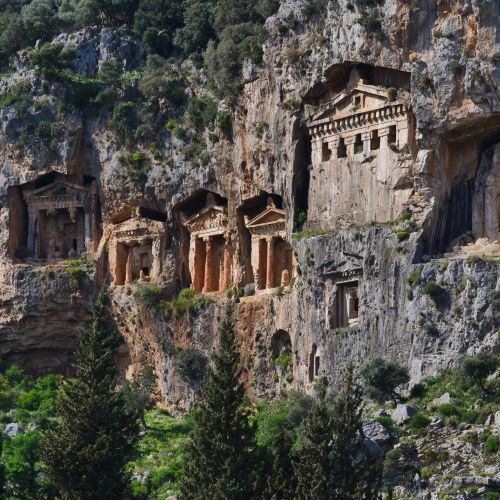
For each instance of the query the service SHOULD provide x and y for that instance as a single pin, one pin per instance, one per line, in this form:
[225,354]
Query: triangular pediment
[211,217]
[58,188]
[346,97]
[269,216]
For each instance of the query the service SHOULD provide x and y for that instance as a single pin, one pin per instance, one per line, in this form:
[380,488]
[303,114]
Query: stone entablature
[271,254]
[136,249]
[210,256]
[321,128]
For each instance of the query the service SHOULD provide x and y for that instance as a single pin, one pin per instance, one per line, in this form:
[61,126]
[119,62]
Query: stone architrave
[271,254]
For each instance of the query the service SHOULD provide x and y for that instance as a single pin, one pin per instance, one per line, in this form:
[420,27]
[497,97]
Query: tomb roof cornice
[328,126]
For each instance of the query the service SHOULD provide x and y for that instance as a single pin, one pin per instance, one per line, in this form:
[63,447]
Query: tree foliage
[331,461]
[476,369]
[381,378]
[86,451]
[218,461]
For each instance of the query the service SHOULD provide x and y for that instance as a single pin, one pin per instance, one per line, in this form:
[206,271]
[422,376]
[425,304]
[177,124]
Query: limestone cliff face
[383,205]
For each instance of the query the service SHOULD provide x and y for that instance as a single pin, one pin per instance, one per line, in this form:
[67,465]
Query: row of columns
[210,272]
[349,142]
[265,260]
[34,228]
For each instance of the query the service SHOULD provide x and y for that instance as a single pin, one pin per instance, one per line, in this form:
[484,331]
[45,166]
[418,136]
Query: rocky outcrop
[380,219]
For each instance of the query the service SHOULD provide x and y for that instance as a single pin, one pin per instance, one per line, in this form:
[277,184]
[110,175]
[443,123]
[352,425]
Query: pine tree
[85,453]
[219,450]
[347,430]
[313,465]
[281,483]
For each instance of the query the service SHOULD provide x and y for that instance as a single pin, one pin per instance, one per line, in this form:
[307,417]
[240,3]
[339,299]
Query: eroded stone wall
[412,193]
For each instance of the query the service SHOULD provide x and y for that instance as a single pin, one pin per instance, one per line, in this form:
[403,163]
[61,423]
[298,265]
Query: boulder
[402,413]
[493,419]
[376,432]
[13,430]
[443,399]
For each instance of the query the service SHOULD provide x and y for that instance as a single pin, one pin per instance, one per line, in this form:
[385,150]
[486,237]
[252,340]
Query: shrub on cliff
[381,378]
[86,450]
[51,59]
[150,295]
[476,369]
[219,460]
[191,364]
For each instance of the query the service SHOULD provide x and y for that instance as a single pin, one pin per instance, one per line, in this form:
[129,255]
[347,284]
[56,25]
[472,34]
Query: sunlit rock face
[380,150]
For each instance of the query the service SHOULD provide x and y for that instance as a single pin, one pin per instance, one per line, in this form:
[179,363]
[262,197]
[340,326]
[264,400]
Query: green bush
[469,416]
[387,422]
[223,122]
[191,364]
[149,294]
[288,412]
[491,495]
[434,291]
[402,235]
[419,421]
[124,118]
[136,166]
[474,370]
[284,361]
[370,21]
[414,277]
[492,445]
[51,59]
[448,409]
[201,111]
[418,391]
[187,293]
[381,378]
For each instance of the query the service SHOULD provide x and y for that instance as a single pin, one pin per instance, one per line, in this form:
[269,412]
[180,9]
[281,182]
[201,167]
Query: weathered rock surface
[446,181]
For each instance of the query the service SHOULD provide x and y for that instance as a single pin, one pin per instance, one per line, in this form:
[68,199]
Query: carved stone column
[349,142]
[209,284]
[31,228]
[156,253]
[227,266]
[128,270]
[270,263]
[88,234]
[383,133]
[365,137]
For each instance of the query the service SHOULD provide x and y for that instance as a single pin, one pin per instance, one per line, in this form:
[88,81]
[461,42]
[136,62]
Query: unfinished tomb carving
[210,256]
[271,255]
[359,131]
[136,249]
[467,207]
[54,217]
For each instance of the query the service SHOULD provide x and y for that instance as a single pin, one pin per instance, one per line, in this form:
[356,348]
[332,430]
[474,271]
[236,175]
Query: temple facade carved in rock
[55,217]
[359,134]
[210,255]
[136,249]
[271,255]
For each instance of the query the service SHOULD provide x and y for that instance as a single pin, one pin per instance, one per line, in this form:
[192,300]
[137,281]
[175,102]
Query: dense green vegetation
[87,448]
[219,33]
[296,447]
